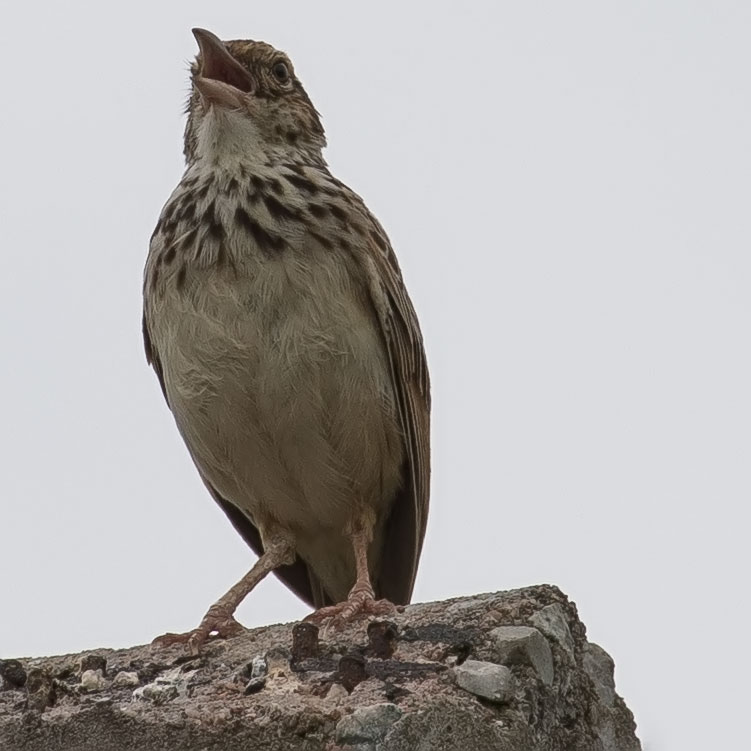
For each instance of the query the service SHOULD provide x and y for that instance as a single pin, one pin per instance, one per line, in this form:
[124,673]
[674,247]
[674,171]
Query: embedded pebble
[92,680]
[551,620]
[125,679]
[600,668]
[337,693]
[258,667]
[254,674]
[367,724]
[526,645]
[156,693]
[485,679]
[165,688]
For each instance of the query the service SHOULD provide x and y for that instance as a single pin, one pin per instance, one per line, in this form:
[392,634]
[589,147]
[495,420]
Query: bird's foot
[360,602]
[217,622]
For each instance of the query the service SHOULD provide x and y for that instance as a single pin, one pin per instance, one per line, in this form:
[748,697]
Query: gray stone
[607,715]
[258,670]
[165,688]
[486,679]
[600,667]
[523,645]
[551,620]
[367,724]
[156,693]
[337,693]
[125,679]
[258,667]
[92,680]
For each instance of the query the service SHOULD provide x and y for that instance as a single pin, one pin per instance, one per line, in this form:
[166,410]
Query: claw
[359,603]
[213,623]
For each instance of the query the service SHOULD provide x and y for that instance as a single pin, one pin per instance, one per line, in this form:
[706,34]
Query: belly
[281,389]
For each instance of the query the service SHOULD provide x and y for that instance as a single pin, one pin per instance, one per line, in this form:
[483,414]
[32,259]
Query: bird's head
[247,104]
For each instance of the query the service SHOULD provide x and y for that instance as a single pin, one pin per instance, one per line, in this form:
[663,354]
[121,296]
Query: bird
[287,348]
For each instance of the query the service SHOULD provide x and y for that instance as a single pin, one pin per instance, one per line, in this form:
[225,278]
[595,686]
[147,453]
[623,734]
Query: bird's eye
[280,71]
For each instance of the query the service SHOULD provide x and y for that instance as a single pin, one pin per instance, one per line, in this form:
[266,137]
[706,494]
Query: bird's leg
[219,619]
[361,598]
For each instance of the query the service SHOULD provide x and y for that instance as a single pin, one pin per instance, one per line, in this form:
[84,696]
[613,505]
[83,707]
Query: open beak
[222,80]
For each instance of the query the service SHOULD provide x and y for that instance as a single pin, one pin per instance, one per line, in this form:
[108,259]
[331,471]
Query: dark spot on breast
[276,186]
[180,279]
[317,210]
[323,240]
[232,186]
[338,213]
[203,191]
[379,240]
[168,227]
[343,244]
[267,242]
[188,211]
[169,212]
[277,209]
[332,187]
[169,255]
[222,258]
[214,228]
[188,239]
[302,183]
[292,136]
[154,278]
[257,182]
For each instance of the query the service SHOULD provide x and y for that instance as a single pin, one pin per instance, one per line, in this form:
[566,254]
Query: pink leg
[220,618]
[361,598]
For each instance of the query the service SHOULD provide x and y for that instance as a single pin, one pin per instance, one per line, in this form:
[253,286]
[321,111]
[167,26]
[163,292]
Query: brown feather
[405,527]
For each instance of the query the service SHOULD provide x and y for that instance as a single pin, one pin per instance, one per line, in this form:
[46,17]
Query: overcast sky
[567,186]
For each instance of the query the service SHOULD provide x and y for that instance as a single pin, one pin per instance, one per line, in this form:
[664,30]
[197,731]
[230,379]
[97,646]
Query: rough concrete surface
[379,685]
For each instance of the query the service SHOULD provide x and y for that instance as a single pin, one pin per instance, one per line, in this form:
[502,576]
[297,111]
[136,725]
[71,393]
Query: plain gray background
[567,186]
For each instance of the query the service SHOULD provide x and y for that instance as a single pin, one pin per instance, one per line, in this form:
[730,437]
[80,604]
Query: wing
[297,576]
[405,528]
